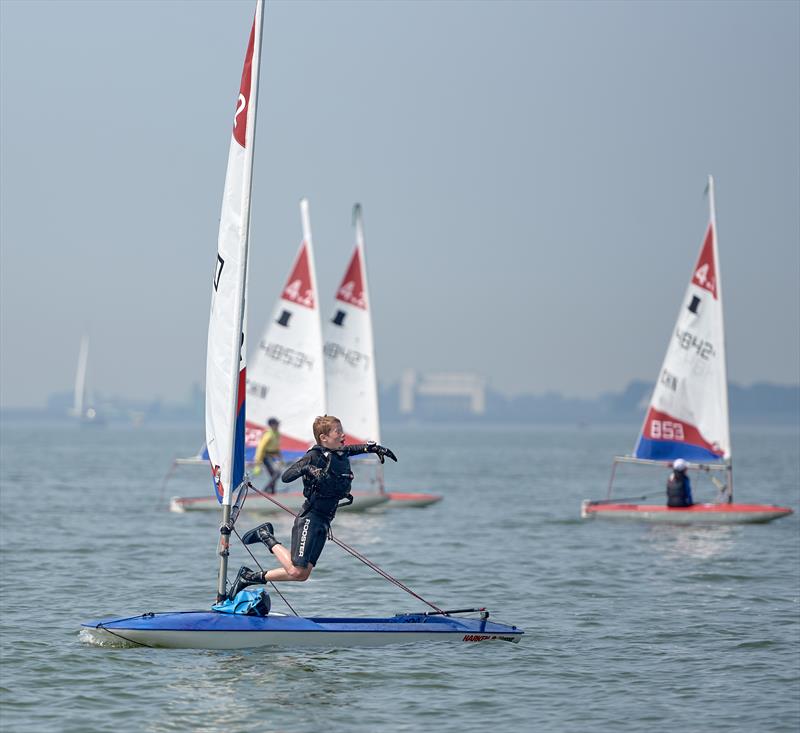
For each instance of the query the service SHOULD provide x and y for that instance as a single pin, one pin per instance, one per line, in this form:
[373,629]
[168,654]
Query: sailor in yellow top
[269,455]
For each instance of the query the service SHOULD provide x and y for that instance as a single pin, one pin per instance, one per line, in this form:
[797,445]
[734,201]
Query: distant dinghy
[83,405]
[350,371]
[285,379]
[687,417]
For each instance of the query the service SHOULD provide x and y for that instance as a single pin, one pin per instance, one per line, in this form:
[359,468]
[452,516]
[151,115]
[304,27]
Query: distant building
[448,392]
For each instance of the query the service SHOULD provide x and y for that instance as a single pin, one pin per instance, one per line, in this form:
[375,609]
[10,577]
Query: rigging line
[164,484]
[355,553]
[275,587]
[120,636]
[623,499]
[382,573]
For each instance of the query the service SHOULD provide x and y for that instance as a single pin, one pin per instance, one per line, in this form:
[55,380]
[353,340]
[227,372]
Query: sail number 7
[666,430]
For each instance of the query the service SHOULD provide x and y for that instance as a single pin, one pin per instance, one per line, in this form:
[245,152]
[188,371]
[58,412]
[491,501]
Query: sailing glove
[381,452]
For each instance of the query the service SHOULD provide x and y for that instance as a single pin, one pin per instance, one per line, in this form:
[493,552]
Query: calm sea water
[629,627]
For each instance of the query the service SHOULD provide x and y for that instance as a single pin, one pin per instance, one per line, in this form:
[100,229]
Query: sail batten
[688,412]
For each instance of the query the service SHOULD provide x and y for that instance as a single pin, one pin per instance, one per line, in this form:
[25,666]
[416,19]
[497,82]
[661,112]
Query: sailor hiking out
[327,478]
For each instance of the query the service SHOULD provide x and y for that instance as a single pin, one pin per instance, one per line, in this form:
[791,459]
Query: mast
[305,217]
[712,212]
[225,361]
[358,221]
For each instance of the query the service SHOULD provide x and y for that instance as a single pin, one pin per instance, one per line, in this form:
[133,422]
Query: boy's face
[334,438]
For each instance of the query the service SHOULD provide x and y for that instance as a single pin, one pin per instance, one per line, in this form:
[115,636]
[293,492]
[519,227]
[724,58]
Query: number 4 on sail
[687,420]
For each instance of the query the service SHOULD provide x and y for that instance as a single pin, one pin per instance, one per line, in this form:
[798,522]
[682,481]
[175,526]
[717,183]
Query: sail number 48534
[666,430]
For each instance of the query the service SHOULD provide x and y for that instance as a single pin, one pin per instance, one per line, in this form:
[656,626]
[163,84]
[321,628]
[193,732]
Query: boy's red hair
[324,424]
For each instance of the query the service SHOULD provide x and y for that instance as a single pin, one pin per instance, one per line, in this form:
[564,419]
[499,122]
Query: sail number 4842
[688,340]
[666,430]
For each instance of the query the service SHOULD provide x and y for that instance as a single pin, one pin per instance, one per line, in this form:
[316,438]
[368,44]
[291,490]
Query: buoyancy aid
[676,490]
[324,493]
[335,483]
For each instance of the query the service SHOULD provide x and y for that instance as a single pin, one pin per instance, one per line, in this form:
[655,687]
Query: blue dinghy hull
[212,630]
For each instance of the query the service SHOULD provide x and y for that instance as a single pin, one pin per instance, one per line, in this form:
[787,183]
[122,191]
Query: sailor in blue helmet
[679,488]
[325,470]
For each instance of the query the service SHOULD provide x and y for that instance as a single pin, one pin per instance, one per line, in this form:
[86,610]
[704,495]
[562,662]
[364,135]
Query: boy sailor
[326,474]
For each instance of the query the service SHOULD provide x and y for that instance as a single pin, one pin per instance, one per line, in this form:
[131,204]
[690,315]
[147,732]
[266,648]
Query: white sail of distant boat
[79,404]
[687,417]
[83,407]
[286,379]
[350,369]
[688,412]
[349,351]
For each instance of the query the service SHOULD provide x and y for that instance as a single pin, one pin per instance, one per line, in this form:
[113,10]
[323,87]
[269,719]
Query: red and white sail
[349,351]
[688,412]
[286,378]
[225,360]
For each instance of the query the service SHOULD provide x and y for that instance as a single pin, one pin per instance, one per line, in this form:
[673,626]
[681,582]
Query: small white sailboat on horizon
[83,407]
[350,368]
[226,376]
[687,417]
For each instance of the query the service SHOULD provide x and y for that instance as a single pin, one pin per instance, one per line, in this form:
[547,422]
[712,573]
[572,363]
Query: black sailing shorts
[308,538]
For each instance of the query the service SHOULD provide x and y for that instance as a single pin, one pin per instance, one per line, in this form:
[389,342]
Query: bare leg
[288,571]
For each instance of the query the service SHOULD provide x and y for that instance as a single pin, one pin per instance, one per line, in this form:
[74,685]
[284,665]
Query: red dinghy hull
[408,499]
[696,514]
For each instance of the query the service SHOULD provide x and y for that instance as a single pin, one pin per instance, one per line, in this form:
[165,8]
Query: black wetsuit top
[324,494]
[679,490]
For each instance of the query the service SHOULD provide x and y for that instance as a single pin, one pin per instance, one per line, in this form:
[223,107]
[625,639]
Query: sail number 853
[666,430]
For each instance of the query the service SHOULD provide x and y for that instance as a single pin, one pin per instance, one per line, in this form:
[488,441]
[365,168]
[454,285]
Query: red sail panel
[240,116]
[661,426]
[705,271]
[352,288]
[298,287]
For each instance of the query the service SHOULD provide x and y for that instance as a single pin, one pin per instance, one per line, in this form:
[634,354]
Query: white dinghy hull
[410,499]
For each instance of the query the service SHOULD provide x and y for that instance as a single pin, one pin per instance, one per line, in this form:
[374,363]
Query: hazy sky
[532,178]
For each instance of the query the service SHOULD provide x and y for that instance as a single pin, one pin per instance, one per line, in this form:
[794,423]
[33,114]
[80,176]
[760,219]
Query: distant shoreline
[756,405]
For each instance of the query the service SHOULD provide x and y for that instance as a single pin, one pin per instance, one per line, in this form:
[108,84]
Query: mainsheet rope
[355,553]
